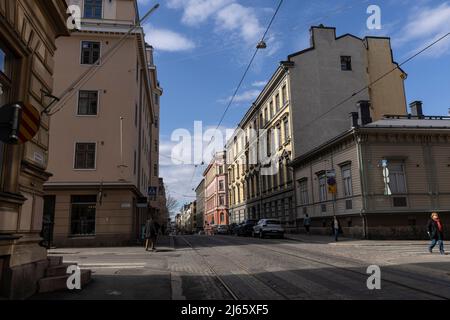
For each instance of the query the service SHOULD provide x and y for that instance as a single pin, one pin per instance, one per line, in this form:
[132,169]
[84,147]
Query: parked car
[269,228]
[245,228]
[233,227]
[223,229]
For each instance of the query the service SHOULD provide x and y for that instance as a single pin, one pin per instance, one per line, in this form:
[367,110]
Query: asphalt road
[228,267]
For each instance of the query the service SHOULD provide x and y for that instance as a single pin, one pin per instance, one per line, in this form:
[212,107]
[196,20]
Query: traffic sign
[29,123]
[19,123]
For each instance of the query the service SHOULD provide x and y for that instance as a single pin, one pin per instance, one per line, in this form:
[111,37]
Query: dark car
[245,228]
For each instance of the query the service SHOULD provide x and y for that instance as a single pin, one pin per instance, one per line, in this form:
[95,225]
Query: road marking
[109,265]
[177,288]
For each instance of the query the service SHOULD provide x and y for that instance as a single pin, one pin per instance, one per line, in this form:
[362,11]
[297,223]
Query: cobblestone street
[228,267]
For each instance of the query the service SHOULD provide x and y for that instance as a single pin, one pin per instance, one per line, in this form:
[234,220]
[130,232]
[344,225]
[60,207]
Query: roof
[437,122]
[390,123]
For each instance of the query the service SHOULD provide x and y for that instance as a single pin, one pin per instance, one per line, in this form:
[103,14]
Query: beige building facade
[263,140]
[304,104]
[390,176]
[28,30]
[103,135]
[200,205]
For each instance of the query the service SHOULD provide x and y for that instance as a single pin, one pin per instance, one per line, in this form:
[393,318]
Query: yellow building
[263,137]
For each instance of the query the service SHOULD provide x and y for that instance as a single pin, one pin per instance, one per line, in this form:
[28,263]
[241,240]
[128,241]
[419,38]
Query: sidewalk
[125,273]
[320,239]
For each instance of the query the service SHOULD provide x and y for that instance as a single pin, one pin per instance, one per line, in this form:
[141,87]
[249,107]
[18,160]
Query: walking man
[436,232]
[336,228]
[151,234]
[307,223]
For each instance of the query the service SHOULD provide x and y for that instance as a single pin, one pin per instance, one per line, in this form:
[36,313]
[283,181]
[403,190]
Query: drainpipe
[363,180]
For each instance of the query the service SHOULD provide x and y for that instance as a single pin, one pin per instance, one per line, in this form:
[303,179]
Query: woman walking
[436,232]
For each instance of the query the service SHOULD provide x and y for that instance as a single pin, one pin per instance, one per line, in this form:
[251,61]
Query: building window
[155,170]
[134,163]
[221,185]
[221,170]
[269,143]
[279,137]
[3,61]
[93,9]
[6,61]
[156,122]
[269,182]
[156,99]
[347,180]
[87,103]
[6,64]
[90,52]
[135,115]
[222,217]
[277,102]
[272,111]
[303,186]
[284,95]
[83,215]
[85,156]
[397,178]
[322,187]
[287,131]
[281,173]
[221,200]
[346,63]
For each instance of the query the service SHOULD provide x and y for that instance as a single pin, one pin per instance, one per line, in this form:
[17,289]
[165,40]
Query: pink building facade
[216,197]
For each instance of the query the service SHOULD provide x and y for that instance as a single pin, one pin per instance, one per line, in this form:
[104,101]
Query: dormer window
[93,9]
[346,63]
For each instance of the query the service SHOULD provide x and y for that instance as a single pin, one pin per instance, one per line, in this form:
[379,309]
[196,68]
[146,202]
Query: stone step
[59,270]
[59,283]
[54,260]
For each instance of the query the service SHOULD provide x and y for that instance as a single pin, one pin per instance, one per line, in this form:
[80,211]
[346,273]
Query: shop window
[83,211]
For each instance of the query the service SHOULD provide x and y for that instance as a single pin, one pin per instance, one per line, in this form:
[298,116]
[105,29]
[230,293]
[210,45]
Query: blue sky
[203,46]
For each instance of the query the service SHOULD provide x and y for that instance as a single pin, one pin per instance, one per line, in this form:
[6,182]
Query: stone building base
[385,226]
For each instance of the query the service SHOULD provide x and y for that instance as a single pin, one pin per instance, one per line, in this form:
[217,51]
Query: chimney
[354,120]
[364,112]
[416,109]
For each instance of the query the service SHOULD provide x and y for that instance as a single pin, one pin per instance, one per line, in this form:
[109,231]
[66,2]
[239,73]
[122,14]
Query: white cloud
[237,17]
[197,11]
[259,83]
[228,16]
[425,25]
[246,96]
[167,40]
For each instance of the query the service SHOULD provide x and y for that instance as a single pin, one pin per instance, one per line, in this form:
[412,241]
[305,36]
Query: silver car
[268,228]
[223,229]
